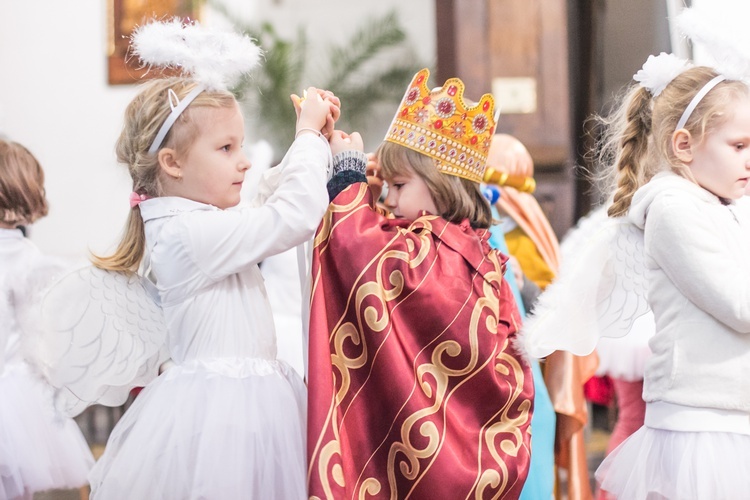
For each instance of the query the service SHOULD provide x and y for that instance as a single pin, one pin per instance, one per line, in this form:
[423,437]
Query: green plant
[371,68]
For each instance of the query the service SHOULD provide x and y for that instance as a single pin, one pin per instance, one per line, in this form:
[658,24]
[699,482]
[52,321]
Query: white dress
[39,448]
[228,421]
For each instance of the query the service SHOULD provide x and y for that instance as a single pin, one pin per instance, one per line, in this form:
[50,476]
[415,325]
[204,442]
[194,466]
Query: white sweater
[698,256]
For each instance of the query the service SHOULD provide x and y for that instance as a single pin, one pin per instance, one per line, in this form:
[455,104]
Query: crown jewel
[441,125]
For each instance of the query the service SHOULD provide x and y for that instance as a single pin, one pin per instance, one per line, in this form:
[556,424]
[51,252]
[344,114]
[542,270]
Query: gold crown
[441,125]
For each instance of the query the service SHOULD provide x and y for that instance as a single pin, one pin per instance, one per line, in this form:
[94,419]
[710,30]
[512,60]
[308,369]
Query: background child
[228,419]
[415,387]
[39,449]
[507,154]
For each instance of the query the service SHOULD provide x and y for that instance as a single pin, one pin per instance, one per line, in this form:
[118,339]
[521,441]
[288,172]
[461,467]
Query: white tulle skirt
[39,449]
[659,464]
[210,432]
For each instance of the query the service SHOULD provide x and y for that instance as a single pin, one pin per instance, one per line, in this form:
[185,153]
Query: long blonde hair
[22,196]
[143,117]
[638,140]
[455,198]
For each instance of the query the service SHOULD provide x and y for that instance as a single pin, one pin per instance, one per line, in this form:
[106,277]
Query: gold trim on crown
[440,124]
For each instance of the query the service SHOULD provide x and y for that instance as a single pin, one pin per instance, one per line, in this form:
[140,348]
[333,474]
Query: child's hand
[334,117]
[341,141]
[374,180]
[318,111]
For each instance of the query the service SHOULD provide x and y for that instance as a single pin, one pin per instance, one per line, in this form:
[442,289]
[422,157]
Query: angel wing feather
[600,291]
[101,333]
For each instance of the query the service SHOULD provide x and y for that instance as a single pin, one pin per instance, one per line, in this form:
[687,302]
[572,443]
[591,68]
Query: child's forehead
[399,172]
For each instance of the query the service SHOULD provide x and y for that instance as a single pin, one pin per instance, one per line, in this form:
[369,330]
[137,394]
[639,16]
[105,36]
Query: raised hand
[318,110]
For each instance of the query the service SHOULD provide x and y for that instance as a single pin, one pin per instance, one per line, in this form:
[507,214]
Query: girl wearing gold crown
[415,386]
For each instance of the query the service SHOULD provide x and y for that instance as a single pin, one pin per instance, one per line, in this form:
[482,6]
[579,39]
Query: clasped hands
[318,110]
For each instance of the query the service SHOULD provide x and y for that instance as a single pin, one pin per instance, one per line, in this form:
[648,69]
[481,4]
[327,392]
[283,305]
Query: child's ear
[168,162]
[682,145]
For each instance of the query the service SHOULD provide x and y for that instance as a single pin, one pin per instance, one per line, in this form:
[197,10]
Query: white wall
[54,99]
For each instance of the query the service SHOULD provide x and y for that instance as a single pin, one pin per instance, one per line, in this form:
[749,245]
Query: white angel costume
[40,449]
[696,439]
[228,421]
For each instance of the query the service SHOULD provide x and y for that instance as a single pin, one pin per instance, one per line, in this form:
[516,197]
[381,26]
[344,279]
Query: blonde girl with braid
[680,148]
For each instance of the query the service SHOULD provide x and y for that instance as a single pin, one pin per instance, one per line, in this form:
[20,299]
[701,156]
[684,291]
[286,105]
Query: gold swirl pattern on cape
[491,478]
[376,317]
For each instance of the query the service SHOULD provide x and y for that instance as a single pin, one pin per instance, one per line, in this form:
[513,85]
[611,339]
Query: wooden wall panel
[488,39]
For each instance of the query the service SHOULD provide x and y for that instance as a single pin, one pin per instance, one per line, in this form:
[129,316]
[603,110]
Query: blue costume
[540,481]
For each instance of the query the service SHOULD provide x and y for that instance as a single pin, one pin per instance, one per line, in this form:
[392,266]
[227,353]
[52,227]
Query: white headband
[177,108]
[697,99]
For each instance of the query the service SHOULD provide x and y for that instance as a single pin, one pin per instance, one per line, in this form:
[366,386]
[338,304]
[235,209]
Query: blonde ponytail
[127,258]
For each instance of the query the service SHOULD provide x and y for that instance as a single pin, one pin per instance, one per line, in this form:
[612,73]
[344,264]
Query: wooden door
[517,49]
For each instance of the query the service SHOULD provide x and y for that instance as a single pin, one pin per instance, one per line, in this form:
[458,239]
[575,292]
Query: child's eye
[226,147]
[398,185]
[739,146]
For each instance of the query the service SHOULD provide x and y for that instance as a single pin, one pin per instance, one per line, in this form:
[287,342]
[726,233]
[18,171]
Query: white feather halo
[724,37]
[214,58]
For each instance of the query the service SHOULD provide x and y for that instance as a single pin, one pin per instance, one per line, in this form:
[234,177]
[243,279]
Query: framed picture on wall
[124,17]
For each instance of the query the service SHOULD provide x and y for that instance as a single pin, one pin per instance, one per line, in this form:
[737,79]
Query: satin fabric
[415,388]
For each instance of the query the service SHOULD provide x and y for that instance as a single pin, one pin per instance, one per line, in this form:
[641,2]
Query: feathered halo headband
[728,45]
[215,59]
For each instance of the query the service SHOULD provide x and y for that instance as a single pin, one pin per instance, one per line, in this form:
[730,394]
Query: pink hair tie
[136,199]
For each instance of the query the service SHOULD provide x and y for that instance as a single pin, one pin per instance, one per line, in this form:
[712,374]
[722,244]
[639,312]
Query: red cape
[415,388]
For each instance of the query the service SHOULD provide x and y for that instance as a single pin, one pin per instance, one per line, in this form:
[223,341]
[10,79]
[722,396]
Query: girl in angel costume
[681,142]
[416,390]
[228,419]
[39,448]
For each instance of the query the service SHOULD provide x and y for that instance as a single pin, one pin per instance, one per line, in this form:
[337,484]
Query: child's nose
[245,163]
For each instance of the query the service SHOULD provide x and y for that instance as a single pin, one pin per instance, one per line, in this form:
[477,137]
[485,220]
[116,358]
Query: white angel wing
[623,290]
[102,333]
[600,291]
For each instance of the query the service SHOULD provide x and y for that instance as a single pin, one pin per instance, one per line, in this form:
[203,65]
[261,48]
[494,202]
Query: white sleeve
[294,198]
[693,253]
[272,177]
